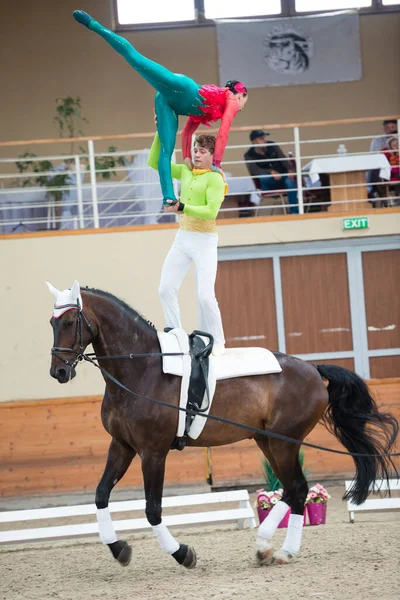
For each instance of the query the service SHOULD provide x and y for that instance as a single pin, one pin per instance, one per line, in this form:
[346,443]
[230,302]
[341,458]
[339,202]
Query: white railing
[93,197]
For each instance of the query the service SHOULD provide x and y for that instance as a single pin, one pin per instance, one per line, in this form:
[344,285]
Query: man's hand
[276,174]
[188,163]
[173,206]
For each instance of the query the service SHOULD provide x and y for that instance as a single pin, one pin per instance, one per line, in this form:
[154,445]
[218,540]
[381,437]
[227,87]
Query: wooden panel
[316,303]
[49,447]
[348,197]
[384,366]
[382,298]
[57,447]
[245,292]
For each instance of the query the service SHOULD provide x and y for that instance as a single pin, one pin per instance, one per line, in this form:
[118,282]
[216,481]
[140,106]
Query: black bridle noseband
[79,354]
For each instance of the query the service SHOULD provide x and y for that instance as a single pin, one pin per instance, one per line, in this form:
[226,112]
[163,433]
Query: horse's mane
[131,311]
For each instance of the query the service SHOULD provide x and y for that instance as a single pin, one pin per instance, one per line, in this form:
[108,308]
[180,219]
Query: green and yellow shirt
[202,193]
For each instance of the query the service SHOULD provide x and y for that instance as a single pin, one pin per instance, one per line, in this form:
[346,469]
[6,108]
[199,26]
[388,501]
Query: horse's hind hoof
[191,559]
[266,557]
[122,552]
[185,556]
[282,557]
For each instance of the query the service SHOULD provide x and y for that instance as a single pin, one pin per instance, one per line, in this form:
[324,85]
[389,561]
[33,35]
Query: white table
[347,175]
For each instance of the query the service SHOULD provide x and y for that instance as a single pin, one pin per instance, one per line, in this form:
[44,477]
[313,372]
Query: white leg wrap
[106,528]
[292,542]
[167,541]
[270,524]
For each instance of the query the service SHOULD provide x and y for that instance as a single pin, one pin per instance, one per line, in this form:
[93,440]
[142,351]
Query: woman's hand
[188,163]
[216,169]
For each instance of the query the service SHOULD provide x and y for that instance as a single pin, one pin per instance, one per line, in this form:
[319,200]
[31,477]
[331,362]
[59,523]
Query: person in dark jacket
[266,162]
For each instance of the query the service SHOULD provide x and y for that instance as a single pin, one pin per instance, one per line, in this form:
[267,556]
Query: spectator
[392,154]
[378,143]
[267,163]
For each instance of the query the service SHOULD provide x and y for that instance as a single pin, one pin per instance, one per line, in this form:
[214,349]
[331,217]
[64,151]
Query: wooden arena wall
[58,446]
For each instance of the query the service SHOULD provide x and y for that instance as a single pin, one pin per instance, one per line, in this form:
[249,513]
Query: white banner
[297,51]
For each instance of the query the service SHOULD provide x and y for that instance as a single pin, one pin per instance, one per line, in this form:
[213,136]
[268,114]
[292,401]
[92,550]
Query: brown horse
[290,403]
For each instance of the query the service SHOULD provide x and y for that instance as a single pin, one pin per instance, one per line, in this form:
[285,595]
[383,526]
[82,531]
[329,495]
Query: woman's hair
[391,140]
[206,141]
[236,87]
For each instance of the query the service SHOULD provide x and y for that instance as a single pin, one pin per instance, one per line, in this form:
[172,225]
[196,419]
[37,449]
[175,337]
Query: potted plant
[265,502]
[68,120]
[317,502]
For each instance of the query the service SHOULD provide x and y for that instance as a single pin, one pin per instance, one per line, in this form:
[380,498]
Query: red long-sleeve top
[219,103]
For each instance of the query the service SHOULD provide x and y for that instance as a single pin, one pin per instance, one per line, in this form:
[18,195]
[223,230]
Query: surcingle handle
[205,353]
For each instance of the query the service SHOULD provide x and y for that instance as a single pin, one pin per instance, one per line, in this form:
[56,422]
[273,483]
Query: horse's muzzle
[63,374]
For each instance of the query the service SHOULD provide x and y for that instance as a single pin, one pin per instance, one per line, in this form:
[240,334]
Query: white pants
[200,248]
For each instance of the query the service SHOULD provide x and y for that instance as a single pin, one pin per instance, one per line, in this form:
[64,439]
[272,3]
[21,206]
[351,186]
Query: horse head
[73,332]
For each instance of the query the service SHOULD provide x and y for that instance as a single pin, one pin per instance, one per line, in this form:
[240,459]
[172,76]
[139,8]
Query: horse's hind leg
[266,531]
[153,467]
[295,491]
[118,460]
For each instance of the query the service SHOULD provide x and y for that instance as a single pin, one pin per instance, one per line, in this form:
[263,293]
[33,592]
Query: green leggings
[177,95]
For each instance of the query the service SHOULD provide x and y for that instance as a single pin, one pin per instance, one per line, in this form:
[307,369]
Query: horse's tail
[353,417]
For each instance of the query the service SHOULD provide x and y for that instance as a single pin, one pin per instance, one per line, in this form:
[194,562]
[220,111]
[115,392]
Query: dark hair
[390,121]
[206,141]
[236,87]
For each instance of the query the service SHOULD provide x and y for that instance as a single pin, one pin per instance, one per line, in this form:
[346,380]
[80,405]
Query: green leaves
[69,116]
[68,121]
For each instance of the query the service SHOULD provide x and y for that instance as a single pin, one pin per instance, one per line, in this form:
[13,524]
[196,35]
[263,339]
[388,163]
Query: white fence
[244,512]
[375,504]
[74,193]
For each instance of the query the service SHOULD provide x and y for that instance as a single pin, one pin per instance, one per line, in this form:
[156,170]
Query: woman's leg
[181,91]
[167,126]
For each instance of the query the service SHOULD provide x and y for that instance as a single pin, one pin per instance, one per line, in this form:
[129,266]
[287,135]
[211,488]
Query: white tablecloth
[242,185]
[345,163]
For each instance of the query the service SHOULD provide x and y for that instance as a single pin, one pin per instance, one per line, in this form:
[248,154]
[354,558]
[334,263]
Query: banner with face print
[290,51]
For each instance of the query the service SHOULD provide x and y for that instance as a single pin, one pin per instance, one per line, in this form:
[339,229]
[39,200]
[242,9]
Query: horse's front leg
[153,467]
[118,460]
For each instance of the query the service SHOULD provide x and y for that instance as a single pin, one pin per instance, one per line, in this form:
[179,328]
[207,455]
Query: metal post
[93,184]
[79,191]
[297,156]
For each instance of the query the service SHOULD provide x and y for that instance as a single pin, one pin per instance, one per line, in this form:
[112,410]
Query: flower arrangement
[266,500]
[317,495]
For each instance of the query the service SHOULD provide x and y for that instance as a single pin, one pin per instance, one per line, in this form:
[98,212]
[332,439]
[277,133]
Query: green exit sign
[356,223]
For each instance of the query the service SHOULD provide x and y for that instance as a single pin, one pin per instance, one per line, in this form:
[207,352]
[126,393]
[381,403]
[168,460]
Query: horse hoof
[190,559]
[266,557]
[122,552]
[186,556]
[281,557]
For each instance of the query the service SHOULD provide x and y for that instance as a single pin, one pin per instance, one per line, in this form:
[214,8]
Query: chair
[276,200]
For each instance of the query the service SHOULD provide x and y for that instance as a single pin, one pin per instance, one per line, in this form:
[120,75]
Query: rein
[80,356]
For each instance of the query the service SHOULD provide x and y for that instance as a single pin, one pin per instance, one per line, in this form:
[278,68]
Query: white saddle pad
[237,362]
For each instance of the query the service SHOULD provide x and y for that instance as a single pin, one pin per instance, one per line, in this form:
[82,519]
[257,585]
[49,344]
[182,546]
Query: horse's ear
[76,290]
[52,289]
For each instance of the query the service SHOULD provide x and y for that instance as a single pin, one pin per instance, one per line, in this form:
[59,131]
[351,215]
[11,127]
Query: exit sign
[356,223]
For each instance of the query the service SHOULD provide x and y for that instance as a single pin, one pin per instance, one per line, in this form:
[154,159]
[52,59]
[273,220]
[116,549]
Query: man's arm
[215,193]
[285,162]
[154,155]
[253,167]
